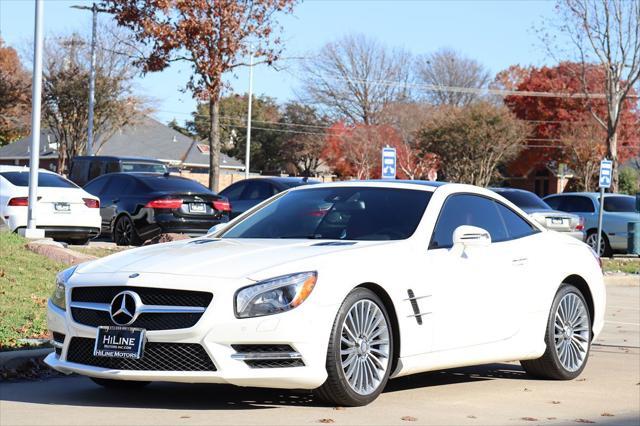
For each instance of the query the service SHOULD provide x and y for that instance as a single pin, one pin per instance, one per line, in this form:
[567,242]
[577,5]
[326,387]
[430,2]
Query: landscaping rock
[55,251]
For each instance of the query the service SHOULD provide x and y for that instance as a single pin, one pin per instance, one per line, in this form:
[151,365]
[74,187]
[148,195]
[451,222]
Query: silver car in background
[541,212]
[619,210]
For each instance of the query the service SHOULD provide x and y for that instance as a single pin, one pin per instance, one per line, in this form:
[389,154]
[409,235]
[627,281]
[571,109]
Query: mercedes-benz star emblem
[124,308]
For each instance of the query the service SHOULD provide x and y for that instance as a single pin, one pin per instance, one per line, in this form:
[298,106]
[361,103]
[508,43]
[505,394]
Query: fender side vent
[414,306]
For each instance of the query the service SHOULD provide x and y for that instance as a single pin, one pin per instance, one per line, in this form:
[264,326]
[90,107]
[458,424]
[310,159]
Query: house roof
[148,138]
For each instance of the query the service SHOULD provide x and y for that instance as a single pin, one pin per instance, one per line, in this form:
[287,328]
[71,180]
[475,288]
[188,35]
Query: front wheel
[568,338]
[360,351]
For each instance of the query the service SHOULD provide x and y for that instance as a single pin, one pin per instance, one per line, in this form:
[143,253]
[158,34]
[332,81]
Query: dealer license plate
[197,207]
[119,342]
[62,207]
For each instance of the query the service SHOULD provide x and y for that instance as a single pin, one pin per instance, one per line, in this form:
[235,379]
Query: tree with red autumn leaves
[214,36]
[550,117]
[356,152]
[15,96]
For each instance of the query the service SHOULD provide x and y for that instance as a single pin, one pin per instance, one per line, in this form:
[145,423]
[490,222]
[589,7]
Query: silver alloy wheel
[592,241]
[571,331]
[364,347]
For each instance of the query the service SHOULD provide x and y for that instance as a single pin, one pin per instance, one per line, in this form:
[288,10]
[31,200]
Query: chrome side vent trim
[414,306]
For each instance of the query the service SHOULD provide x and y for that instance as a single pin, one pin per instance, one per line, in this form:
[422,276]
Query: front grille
[149,296]
[156,356]
[275,363]
[147,321]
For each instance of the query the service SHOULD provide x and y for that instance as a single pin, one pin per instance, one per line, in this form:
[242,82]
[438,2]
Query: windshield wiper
[303,237]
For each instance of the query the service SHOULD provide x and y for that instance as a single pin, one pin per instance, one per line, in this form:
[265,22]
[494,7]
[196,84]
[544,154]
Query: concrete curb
[15,359]
[58,253]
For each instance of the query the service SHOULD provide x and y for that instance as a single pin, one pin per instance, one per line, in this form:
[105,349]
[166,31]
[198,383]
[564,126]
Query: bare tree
[606,32]
[354,77]
[65,88]
[447,69]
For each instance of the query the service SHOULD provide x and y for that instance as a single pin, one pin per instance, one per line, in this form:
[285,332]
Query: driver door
[472,284]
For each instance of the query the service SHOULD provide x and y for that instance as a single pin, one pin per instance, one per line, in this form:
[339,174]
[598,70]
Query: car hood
[222,258]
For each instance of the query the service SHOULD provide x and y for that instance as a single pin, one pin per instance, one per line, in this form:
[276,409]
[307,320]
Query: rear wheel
[119,384]
[568,338]
[359,353]
[605,248]
[124,232]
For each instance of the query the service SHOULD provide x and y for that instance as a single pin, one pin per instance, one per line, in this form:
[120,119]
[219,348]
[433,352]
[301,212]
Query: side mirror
[217,228]
[471,236]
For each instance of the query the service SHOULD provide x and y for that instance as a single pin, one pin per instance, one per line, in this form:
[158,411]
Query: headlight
[58,297]
[275,295]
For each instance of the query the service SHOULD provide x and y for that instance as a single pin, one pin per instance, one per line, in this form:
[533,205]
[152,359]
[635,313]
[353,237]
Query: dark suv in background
[85,169]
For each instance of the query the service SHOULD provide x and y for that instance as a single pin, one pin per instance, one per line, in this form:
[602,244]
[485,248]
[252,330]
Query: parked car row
[128,199]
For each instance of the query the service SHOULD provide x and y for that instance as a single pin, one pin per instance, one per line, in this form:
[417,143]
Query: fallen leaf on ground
[529,419]
[584,421]
[471,417]
[555,402]
[326,421]
[607,415]
[408,418]
[338,408]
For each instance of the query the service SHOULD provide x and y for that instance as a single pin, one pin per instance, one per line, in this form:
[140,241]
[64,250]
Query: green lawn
[26,281]
[626,265]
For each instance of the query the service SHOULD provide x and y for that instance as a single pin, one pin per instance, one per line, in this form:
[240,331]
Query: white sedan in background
[65,211]
[336,287]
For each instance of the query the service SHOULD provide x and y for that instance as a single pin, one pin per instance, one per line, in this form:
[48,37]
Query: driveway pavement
[608,392]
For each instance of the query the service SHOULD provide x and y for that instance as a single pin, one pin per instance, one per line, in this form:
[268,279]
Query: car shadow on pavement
[458,375]
[80,391]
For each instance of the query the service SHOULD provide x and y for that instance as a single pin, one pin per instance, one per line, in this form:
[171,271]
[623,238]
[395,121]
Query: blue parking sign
[606,169]
[388,163]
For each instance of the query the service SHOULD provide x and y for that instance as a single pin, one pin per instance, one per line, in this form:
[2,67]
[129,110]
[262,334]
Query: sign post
[604,182]
[388,163]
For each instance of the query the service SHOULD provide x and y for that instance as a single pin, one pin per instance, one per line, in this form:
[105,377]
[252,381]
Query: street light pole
[248,147]
[36,104]
[92,80]
[92,72]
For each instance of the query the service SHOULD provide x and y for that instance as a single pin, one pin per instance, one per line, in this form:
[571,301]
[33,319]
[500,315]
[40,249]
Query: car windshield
[45,180]
[620,204]
[337,213]
[525,200]
[128,166]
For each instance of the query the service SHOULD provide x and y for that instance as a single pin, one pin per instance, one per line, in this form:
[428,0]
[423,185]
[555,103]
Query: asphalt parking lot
[608,392]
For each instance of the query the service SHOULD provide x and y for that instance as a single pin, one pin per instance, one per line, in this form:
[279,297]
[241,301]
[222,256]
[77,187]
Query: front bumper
[306,329]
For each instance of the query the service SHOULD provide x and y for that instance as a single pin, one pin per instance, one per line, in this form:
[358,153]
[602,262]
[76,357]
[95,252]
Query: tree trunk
[214,143]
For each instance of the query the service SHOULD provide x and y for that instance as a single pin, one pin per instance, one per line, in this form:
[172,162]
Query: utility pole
[247,156]
[36,104]
[92,73]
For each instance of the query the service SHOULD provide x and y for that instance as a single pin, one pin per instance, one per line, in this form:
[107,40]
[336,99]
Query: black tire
[337,390]
[591,239]
[549,366]
[119,384]
[124,232]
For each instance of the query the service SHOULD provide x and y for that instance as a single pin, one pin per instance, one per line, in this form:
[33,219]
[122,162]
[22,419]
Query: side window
[258,190]
[112,167]
[95,187]
[95,169]
[233,191]
[119,185]
[467,209]
[516,226]
[578,204]
[79,169]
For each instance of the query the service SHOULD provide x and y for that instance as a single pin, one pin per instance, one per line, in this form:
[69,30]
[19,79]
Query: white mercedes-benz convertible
[336,287]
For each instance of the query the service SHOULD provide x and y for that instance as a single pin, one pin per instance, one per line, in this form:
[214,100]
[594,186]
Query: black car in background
[138,206]
[247,193]
[84,169]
